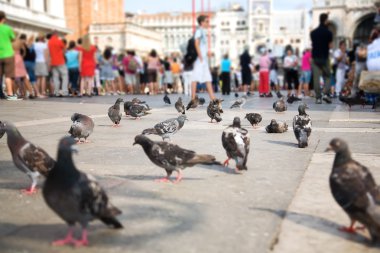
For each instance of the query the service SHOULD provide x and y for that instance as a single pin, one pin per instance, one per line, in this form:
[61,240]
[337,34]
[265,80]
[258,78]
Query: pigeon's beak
[329,148]
[74,149]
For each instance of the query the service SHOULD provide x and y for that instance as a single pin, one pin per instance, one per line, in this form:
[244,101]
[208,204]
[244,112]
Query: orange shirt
[176,69]
[57,51]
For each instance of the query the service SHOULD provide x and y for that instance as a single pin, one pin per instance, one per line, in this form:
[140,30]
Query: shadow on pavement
[284,143]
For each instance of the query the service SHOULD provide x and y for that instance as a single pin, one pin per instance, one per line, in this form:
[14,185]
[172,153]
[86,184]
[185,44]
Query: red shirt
[57,51]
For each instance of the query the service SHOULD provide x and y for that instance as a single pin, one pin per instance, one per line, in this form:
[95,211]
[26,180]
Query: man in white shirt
[340,57]
[201,71]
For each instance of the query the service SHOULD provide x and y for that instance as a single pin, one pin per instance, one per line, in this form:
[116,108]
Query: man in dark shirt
[246,73]
[321,39]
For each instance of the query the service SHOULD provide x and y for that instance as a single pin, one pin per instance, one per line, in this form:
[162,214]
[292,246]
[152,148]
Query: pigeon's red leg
[179,177]
[32,190]
[67,240]
[226,162]
[163,180]
[351,229]
[84,240]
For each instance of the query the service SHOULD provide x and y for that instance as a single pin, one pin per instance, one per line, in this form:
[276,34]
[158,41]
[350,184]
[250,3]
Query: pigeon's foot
[226,162]
[67,240]
[350,230]
[179,177]
[82,242]
[30,191]
[162,180]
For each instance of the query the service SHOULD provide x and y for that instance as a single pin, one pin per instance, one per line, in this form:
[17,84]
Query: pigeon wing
[32,158]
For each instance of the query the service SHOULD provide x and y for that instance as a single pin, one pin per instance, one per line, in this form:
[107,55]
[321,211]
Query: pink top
[153,63]
[306,61]
[264,62]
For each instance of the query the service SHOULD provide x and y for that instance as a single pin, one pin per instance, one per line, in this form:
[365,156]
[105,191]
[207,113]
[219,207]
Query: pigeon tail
[204,159]
[150,131]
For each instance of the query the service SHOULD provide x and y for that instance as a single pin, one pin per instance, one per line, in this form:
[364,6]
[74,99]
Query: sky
[153,6]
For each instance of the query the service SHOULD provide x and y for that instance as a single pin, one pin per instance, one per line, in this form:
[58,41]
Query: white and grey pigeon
[167,99]
[302,126]
[167,128]
[276,127]
[214,111]
[280,105]
[28,158]
[240,102]
[171,157]
[179,106]
[355,190]
[114,112]
[82,126]
[236,141]
[76,197]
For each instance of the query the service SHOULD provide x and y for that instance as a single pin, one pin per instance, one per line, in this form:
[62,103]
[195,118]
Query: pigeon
[302,126]
[276,127]
[239,102]
[193,103]
[350,101]
[143,103]
[253,118]
[179,106]
[114,112]
[30,159]
[76,197]
[127,107]
[355,190]
[137,111]
[202,101]
[292,99]
[213,111]
[82,126]
[280,106]
[167,99]
[235,140]
[172,157]
[218,102]
[167,128]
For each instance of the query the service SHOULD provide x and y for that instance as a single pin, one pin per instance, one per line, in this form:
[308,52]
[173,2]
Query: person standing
[106,72]
[246,70]
[340,56]
[168,76]
[225,75]
[201,72]
[7,60]
[57,63]
[291,73]
[176,72]
[321,39]
[72,63]
[41,69]
[87,63]
[306,72]
[360,65]
[264,75]
[130,67]
[153,67]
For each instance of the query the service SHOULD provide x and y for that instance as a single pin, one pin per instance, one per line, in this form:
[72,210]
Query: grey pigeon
[239,102]
[213,111]
[276,127]
[167,99]
[114,112]
[76,197]
[302,126]
[193,103]
[280,105]
[137,111]
[179,106]
[28,158]
[354,189]
[202,101]
[127,107]
[253,118]
[167,128]
[171,157]
[128,104]
[143,103]
[236,140]
[82,126]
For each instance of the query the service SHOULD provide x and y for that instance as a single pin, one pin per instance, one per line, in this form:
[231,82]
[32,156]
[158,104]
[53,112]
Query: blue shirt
[72,59]
[225,66]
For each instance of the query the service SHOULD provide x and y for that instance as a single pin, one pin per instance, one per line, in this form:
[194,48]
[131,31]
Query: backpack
[191,54]
[132,65]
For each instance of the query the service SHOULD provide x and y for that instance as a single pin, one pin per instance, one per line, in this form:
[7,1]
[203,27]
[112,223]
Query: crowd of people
[48,66]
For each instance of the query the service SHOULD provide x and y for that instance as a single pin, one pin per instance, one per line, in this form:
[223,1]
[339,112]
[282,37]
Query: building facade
[350,20]
[80,14]
[37,16]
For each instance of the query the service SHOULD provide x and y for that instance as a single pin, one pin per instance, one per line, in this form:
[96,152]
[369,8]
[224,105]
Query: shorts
[306,76]
[152,75]
[116,73]
[246,77]
[130,79]
[30,68]
[201,71]
[273,78]
[7,67]
[41,69]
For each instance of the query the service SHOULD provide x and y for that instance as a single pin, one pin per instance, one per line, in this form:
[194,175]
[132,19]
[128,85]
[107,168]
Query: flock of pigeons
[78,198]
